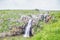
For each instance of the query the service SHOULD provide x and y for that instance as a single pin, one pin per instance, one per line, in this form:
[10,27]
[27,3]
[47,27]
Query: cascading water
[27,29]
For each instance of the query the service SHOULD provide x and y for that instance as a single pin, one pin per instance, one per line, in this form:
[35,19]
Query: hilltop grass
[50,31]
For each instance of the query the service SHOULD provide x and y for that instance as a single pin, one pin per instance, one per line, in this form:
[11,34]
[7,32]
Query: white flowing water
[27,30]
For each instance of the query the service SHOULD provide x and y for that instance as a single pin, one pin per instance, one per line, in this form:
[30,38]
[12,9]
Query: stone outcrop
[17,30]
[13,31]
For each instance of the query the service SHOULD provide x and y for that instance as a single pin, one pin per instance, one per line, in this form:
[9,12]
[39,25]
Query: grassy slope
[50,31]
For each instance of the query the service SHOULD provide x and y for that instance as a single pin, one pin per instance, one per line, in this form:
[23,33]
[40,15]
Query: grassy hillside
[50,31]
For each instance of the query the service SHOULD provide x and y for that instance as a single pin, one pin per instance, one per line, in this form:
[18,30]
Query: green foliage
[50,31]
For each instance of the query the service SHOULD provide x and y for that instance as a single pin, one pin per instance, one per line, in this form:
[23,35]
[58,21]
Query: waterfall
[28,28]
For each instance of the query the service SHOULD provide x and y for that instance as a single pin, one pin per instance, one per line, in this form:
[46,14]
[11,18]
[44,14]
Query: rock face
[25,19]
[17,31]
[13,32]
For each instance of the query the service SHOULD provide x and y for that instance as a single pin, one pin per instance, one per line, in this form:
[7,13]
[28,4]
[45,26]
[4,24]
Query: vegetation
[50,31]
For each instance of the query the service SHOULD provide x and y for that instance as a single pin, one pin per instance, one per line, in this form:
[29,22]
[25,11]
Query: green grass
[50,31]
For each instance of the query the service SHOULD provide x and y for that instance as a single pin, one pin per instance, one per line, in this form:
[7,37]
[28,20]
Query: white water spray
[27,30]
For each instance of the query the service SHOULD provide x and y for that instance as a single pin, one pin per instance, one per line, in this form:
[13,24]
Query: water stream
[28,28]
